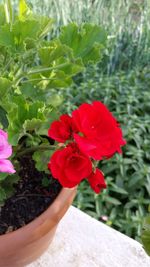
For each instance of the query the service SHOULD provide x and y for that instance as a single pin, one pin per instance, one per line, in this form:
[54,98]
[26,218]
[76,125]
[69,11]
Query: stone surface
[81,241]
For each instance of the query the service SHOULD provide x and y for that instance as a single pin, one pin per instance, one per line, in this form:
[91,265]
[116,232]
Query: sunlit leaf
[87,42]
[24,10]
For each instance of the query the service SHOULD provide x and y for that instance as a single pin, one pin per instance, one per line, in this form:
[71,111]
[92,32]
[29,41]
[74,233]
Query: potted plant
[44,156]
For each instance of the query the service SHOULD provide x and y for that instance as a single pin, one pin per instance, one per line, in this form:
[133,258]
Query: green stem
[35,148]
[38,79]
[48,69]
[20,77]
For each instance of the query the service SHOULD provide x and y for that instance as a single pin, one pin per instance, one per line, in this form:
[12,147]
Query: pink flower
[104,218]
[5,152]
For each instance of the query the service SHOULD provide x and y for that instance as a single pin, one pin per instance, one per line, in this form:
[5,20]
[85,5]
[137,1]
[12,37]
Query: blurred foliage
[126,21]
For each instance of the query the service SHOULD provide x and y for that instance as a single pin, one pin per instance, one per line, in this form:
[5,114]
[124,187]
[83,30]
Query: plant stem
[33,149]
[38,79]
[48,69]
[20,77]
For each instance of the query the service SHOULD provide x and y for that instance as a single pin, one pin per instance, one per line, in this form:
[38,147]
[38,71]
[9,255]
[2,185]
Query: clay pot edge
[52,215]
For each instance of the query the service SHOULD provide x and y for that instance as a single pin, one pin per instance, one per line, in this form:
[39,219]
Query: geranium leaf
[5,85]
[34,93]
[7,186]
[6,36]
[41,159]
[3,117]
[45,25]
[25,116]
[59,57]
[14,37]
[3,176]
[52,51]
[32,125]
[86,41]
[36,110]
[23,30]
[2,195]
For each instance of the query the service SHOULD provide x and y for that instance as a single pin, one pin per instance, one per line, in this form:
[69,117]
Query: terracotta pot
[23,246]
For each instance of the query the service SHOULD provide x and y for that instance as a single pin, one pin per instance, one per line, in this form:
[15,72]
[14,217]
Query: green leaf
[64,66]
[26,117]
[41,159]
[146,234]
[113,200]
[23,30]
[45,26]
[3,176]
[118,190]
[24,10]
[11,179]
[2,195]
[8,11]
[2,15]
[5,85]
[14,135]
[52,115]
[55,100]
[52,51]
[35,110]
[7,185]
[134,180]
[6,36]
[46,182]
[15,37]
[58,80]
[32,125]
[28,90]
[86,42]
[3,117]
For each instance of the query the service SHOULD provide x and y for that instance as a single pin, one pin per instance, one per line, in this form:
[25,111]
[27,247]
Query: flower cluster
[90,134]
[5,153]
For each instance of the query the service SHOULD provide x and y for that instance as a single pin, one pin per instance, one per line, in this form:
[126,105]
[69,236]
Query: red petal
[97,181]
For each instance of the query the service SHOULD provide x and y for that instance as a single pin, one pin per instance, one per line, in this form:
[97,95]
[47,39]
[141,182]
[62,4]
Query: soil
[30,199]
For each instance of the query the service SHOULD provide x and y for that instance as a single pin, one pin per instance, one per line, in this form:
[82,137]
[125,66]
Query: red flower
[70,166]
[61,130]
[99,133]
[96,181]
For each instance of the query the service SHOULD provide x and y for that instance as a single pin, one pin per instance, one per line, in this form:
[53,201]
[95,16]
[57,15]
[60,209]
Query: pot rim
[55,212]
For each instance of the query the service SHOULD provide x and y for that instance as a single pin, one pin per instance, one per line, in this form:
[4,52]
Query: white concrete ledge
[81,241]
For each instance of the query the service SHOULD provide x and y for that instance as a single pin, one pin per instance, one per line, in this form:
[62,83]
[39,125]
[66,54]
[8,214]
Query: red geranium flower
[70,166]
[96,181]
[62,130]
[99,133]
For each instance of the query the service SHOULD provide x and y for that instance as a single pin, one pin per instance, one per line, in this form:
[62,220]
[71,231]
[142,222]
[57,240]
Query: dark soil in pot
[30,199]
